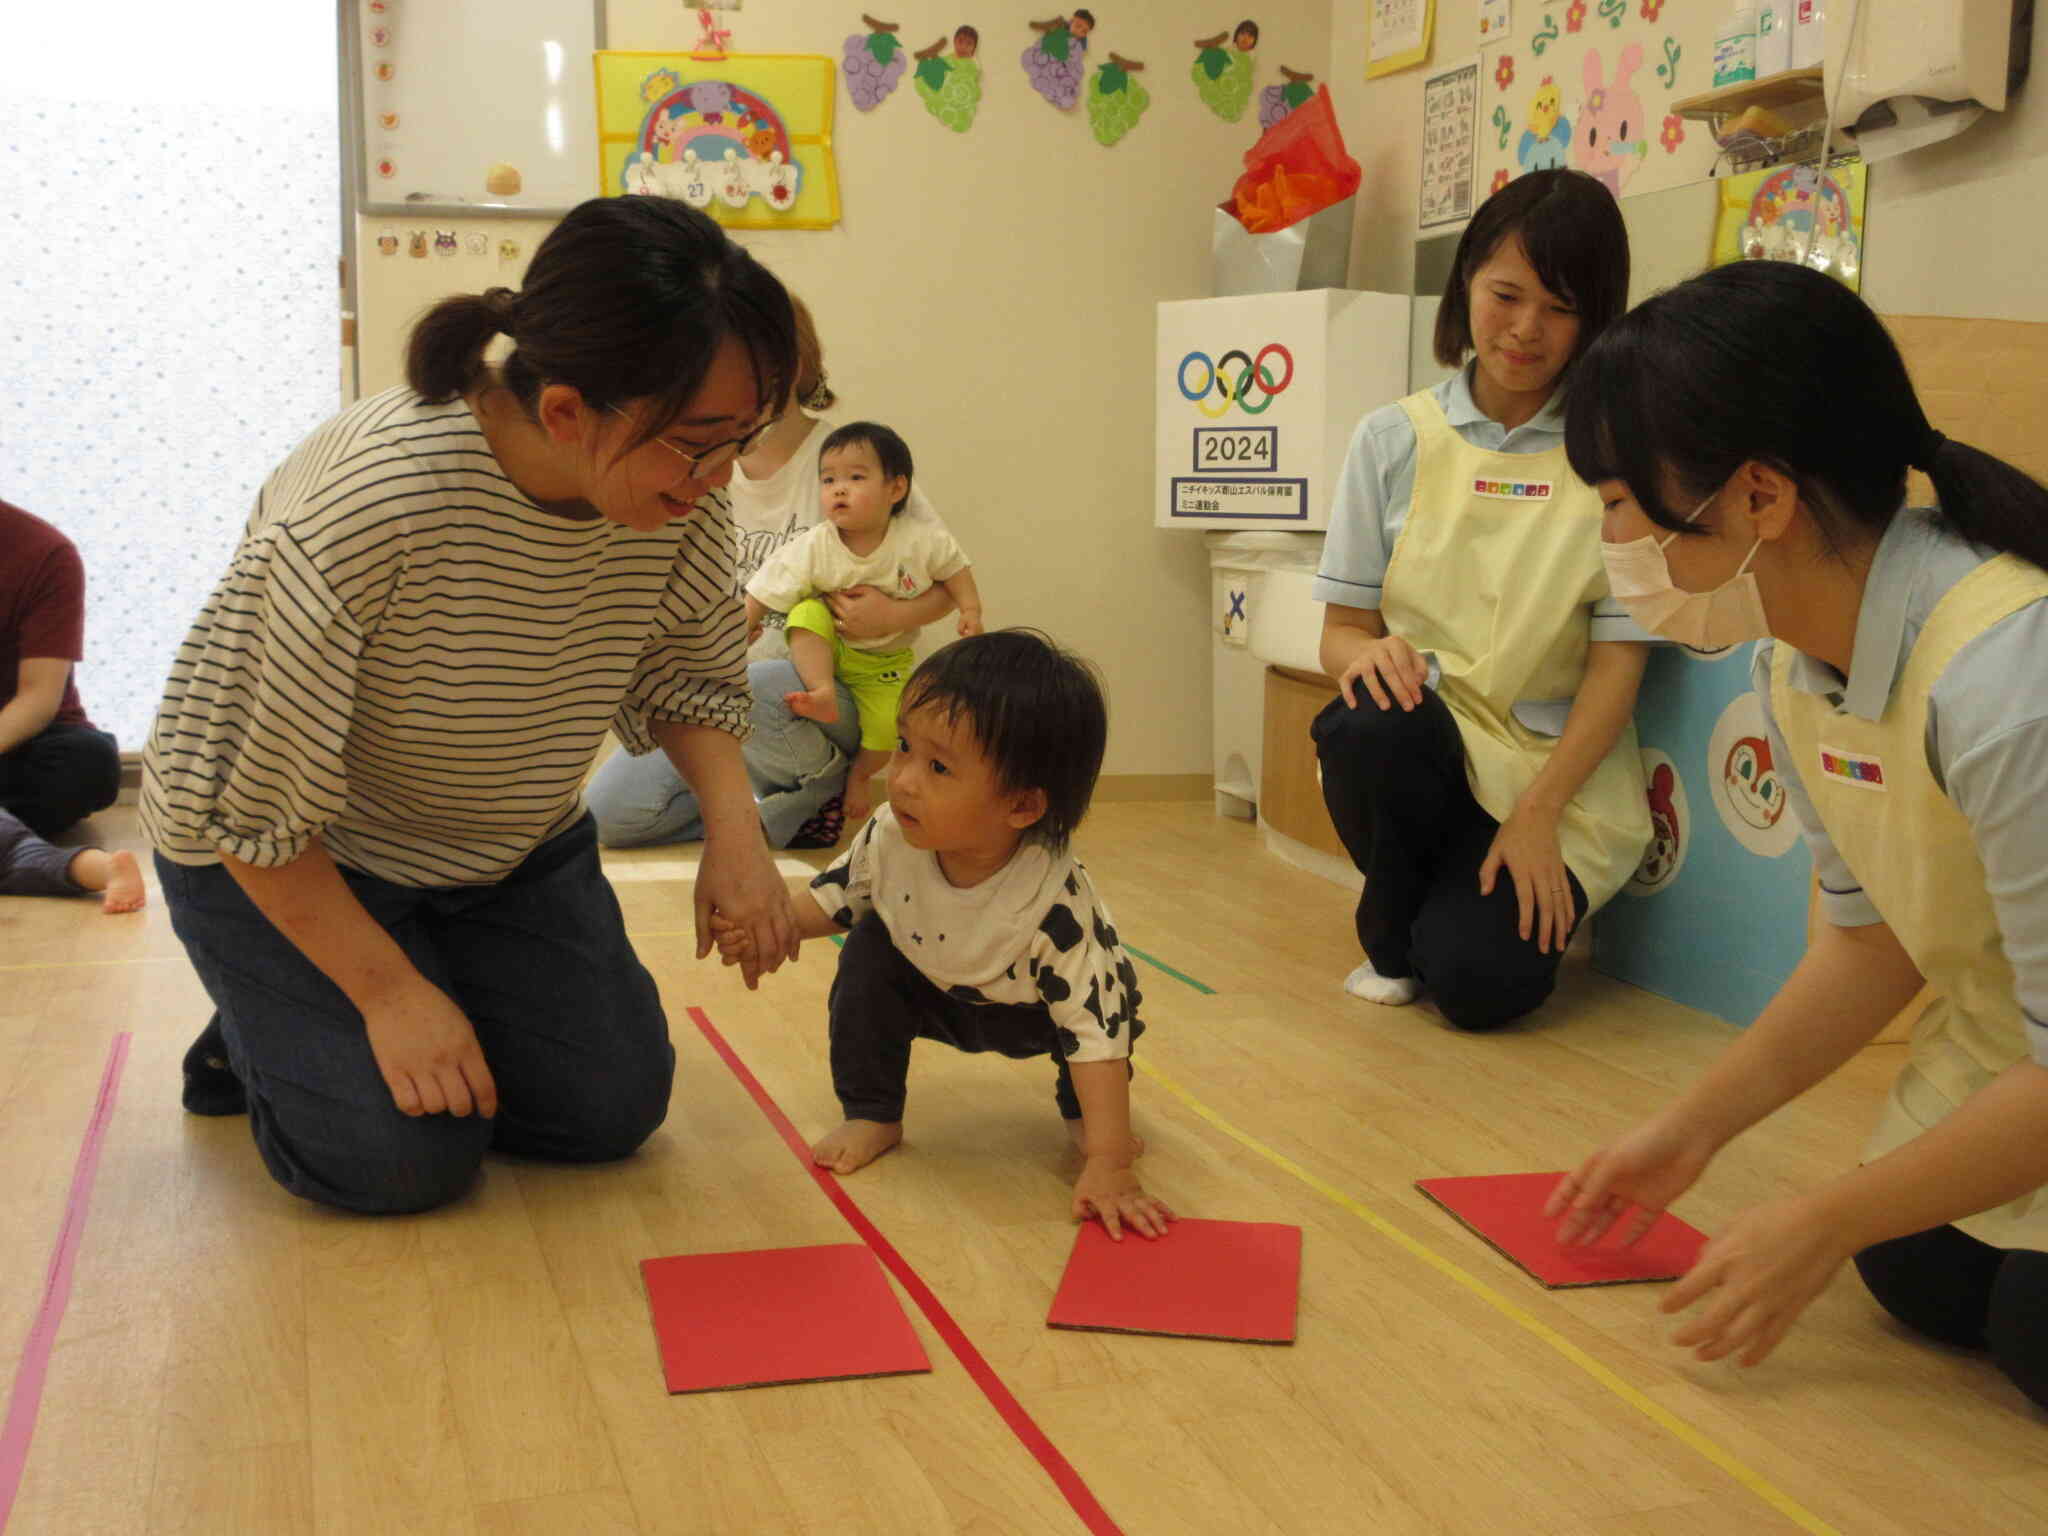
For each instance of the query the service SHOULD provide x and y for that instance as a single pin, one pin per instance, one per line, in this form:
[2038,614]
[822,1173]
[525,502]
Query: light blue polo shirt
[1374,493]
[1987,739]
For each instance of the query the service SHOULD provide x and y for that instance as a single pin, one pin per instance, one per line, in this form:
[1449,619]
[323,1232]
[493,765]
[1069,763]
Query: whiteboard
[472,106]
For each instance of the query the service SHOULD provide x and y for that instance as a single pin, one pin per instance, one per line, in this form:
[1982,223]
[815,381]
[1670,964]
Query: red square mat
[1203,1280]
[777,1315]
[1507,1210]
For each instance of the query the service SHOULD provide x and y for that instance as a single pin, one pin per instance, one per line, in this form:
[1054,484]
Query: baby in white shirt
[864,474]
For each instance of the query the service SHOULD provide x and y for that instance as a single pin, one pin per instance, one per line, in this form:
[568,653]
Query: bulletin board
[471,106]
[745,137]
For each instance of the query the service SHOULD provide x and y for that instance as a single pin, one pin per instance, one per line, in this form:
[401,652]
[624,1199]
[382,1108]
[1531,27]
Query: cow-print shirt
[1033,932]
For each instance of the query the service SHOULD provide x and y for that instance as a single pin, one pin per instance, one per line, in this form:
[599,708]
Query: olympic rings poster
[747,137]
[1256,396]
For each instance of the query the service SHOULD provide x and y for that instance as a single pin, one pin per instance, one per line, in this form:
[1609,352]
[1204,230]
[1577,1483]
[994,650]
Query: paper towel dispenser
[1914,72]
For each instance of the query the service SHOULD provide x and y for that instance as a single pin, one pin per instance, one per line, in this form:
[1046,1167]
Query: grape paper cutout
[873,61]
[1223,70]
[1115,100]
[951,88]
[1276,101]
[1054,62]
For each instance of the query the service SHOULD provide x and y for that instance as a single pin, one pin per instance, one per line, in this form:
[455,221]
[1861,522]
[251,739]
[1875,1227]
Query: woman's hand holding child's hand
[1391,670]
[742,889]
[734,945]
[1109,1188]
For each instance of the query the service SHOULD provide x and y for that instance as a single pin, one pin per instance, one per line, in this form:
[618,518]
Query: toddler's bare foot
[856,1144]
[125,892]
[1074,1130]
[820,704]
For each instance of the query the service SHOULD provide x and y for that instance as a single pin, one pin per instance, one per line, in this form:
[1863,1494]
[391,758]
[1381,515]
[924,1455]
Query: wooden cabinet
[1290,793]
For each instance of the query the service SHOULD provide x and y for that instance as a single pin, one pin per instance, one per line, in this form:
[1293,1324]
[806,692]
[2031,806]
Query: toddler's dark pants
[880,1003]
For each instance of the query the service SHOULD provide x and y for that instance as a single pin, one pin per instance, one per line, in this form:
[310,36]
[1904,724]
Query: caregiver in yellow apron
[1481,766]
[1749,433]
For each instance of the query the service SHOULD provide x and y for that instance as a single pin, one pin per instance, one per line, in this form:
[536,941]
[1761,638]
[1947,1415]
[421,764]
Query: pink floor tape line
[27,1396]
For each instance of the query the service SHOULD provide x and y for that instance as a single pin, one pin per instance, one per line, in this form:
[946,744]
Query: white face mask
[1707,621]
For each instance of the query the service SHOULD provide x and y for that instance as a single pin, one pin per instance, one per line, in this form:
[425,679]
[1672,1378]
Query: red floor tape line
[1062,1472]
[27,1397]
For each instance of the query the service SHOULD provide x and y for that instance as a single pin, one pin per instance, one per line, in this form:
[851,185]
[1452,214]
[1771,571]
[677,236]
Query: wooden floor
[236,1361]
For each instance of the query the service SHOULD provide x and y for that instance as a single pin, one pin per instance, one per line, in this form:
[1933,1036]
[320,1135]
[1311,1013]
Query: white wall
[991,295]
[1961,229]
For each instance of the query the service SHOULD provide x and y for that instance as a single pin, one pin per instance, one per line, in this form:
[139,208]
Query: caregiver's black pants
[1395,783]
[1953,1288]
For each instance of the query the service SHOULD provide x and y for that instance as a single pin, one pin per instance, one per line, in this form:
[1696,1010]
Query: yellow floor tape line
[75,965]
[1791,1509]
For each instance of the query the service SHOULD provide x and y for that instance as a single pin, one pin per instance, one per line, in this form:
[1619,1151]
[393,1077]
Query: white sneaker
[1387,991]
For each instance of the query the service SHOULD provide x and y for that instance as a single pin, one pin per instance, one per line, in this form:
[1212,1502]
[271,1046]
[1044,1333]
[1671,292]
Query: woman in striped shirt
[364,783]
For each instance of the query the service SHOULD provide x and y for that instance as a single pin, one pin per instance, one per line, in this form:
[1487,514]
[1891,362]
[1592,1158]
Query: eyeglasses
[708,461]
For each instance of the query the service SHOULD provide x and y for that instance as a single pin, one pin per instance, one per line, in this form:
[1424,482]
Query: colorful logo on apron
[1856,769]
[1512,490]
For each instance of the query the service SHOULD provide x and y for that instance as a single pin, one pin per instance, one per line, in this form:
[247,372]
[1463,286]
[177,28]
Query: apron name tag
[1858,770]
[1512,490]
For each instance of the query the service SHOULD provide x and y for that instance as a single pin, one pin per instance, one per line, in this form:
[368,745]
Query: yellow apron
[1495,573]
[1914,852]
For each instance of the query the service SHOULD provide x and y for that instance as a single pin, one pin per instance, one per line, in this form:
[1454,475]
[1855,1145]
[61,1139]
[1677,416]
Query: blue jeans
[795,767]
[567,1016]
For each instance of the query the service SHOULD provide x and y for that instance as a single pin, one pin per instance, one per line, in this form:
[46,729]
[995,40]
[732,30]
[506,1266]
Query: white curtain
[169,298]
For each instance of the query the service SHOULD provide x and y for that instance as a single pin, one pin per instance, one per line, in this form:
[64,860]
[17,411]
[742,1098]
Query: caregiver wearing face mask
[1480,765]
[1749,433]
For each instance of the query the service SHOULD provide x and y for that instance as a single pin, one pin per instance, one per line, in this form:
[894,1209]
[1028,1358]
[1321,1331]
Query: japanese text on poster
[1449,104]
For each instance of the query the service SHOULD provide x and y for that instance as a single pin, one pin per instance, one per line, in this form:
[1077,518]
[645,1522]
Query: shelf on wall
[1791,88]
[1739,117]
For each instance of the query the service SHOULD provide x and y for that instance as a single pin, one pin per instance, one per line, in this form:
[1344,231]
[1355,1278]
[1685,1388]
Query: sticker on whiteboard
[1670,826]
[1747,787]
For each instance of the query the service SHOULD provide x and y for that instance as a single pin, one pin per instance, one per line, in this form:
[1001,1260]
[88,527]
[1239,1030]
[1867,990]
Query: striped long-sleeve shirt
[412,661]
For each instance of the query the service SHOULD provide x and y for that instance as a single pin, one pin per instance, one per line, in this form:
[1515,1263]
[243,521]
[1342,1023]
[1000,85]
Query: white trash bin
[1239,563]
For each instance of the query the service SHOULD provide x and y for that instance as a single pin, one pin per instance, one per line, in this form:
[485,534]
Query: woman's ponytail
[1986,500]
[445,356]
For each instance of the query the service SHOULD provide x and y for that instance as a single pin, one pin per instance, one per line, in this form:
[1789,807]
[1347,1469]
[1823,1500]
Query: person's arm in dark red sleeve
[50,639]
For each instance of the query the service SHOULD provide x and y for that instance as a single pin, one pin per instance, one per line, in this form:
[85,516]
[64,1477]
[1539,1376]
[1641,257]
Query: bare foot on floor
[814,703]
[125,891]
[1074,1130]
[855,1144]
